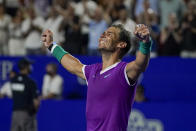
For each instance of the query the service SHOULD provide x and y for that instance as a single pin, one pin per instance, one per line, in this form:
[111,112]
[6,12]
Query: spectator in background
[52,83]
[4,22]
[112,8]
[25,99]
[16,37]
[129,5]
[63,7]
[32,28]
[73,35]
[128,24]
[63,4]
[85,10]
[54,23]
[124,19]
[12,6]
[140,91]
[148,15]
[140,94]
[150,18]
[96,27]
[5,90]
[170,38]
[170,6]
[41,6]
[188,31]
[153,5]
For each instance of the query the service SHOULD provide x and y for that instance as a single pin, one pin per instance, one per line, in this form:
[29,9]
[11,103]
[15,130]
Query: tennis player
[112,83]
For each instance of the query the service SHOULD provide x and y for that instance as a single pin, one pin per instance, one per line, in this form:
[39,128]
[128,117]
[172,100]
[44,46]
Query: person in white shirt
[16,38]
[41,6]
[54,23]
[5,90]
[52,83]
[96,27]
[32,28]
[4,22]
[124,19]
[84,9]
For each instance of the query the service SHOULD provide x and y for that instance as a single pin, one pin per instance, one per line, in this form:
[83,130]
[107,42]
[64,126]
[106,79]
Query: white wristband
[53,47]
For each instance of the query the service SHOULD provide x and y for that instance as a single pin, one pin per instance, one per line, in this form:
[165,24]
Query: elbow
[141,69]
[74,69]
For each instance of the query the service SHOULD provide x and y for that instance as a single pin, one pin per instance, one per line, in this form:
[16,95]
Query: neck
[53,75]
[109,59]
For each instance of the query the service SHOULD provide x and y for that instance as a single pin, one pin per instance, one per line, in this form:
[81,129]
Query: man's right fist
[47,38]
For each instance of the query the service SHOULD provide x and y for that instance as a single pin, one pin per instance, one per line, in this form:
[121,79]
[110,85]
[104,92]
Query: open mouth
[102,40]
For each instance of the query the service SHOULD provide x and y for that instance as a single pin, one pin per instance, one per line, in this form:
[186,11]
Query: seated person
[139,96]
[52,83]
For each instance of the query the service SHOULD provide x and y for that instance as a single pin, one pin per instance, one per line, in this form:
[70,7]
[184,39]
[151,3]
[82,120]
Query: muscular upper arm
[73,65]
[139,65]
[133,71]
[136,67]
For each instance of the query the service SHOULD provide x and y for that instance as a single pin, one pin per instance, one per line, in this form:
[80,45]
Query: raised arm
[72,64]
[139,65]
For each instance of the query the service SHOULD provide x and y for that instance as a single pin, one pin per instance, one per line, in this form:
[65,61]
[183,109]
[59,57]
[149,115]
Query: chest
[105,85]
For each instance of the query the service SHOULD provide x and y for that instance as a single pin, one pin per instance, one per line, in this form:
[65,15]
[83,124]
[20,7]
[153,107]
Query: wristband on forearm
[145,48]
[57,51]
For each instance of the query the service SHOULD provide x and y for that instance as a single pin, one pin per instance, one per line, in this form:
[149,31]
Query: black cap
[23,63]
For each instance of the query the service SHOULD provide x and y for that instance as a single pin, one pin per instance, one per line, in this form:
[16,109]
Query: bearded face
[108,40]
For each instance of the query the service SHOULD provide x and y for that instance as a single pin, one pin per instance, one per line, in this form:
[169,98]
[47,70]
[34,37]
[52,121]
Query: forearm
[72,64]
[37,28]
[164,36]
[143,55]
[177,37]
[142,61]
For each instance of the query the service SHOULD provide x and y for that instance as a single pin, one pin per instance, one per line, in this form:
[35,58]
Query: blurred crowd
[77,24]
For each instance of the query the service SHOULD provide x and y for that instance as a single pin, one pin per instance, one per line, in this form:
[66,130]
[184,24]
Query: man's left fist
[142,32]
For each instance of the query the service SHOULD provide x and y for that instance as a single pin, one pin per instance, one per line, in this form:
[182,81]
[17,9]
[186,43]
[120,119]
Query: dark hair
[121,7]
[54,66]
[124,36]
[23,63]
[76,19]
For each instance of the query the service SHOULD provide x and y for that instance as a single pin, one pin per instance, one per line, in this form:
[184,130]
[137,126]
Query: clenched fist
[142,32]
[47,38]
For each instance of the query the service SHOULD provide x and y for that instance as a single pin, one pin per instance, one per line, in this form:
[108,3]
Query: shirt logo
[107,75]
[19,78]
[18,87]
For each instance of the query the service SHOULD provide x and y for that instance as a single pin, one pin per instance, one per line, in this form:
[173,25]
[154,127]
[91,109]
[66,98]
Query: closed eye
[110,33]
